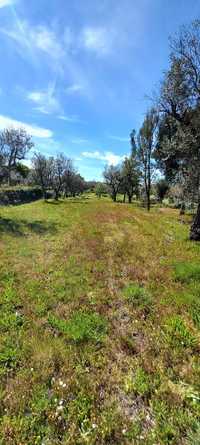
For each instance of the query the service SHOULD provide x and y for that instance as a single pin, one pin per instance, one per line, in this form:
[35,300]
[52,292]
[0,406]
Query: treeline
[52,174]
[169,139]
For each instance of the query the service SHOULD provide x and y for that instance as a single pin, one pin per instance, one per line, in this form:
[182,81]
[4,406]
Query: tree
[130,177]
[58,167]
[112,175]
[179,101]
[100,189]
[14,145]
[42,172]
[145,150]
[162,187]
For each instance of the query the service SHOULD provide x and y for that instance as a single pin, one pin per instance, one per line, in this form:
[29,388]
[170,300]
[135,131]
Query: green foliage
[140,383]
[185,272]
[138,296]
[178,334]
[81,327]
[10,321]
[9,356]
[162,187]
[195,313]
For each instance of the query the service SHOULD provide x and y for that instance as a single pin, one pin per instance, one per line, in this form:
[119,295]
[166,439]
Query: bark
[124,199]
[195,227]
[129,199]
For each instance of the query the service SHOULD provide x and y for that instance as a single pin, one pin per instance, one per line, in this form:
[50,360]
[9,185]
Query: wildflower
[94,425]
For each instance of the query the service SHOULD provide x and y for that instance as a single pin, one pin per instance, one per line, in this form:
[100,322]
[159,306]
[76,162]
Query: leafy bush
[83,326]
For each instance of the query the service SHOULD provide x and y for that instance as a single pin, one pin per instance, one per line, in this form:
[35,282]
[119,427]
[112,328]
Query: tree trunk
[124,199]
[114,197]
[195,227]
[148,200]
[9,177]
[129,199]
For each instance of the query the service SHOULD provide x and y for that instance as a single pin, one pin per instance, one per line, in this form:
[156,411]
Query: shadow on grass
[20,227]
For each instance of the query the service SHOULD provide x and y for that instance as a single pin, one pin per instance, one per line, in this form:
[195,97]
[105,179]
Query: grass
[99,325]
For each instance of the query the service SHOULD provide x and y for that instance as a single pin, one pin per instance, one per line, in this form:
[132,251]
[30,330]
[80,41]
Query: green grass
[185,272]
[99,325]
[82,327]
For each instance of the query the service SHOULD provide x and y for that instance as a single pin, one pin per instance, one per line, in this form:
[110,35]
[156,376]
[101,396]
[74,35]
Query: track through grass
[99,328]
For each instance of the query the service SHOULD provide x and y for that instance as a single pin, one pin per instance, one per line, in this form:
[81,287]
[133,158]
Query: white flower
[94,425]
[64,385]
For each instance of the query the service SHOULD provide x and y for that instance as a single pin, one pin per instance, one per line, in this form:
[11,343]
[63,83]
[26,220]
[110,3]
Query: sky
[78,74]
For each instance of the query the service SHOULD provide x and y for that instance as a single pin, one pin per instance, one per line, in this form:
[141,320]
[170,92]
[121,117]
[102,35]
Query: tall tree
[130,177]
[59,166]
[112,176]
[145,150]
[42,172]
[179,101]
[14,145]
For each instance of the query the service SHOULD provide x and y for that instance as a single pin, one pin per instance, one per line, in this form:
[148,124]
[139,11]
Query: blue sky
[76,74]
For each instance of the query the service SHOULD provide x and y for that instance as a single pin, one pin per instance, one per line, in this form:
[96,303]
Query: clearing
[99,327]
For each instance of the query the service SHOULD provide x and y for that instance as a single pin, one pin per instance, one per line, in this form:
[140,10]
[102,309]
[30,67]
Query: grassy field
[99,327]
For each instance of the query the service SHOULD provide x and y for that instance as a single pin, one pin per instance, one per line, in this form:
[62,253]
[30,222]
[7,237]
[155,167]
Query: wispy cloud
[97,40]
[4,3]
[45,101]
[107,156]
[35,39]
[75,89]
[32,129]
[73,119]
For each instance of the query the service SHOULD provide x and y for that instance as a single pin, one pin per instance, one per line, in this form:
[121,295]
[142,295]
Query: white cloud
[97,39]
[107,156]
[73,119]
[32,129]
[45,101]
[4,3]
[74,88]
[35,38]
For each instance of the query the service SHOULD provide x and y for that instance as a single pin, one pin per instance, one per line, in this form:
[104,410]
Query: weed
[81,327]
[138,296]
[140,383]
[178,334]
